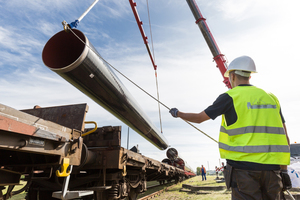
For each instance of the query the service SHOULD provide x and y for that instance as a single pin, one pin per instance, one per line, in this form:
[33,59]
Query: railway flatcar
[58,157]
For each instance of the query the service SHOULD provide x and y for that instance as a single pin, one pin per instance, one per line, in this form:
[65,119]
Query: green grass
[17,187]
[19,196]
[175,194]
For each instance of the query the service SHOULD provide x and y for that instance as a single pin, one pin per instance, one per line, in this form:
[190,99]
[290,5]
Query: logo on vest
[260,105]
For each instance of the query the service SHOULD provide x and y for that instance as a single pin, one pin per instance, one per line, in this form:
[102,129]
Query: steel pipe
[167,161]
[172,153]
[81,66]
[176,160]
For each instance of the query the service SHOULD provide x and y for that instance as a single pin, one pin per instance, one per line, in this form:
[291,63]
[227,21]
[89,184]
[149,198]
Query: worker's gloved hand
[174,112]
[286,181]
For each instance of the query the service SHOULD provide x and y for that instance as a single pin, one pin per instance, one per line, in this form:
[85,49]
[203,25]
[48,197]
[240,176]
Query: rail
[157,193]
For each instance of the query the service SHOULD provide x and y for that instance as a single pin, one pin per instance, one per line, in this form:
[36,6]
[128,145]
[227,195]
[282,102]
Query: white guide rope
[138,85]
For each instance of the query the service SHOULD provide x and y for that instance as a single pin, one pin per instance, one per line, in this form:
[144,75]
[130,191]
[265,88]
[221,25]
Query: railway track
[157,190]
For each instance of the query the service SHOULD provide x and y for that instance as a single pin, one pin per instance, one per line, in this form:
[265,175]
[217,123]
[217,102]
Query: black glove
[174,112]
[286,181]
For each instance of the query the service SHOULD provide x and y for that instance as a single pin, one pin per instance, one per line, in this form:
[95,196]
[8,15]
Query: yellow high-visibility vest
[258,134]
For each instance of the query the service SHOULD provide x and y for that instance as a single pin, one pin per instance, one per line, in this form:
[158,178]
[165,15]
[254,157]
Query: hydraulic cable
[150,31]
[145,38]
[69,29]
[157,91]
[140,23]
[156,79]
[217,55]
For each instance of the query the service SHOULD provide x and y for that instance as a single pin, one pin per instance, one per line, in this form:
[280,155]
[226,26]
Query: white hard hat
[244,66]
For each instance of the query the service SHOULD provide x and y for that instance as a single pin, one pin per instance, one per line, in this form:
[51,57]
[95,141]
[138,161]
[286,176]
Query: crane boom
[218,57]
[140,23]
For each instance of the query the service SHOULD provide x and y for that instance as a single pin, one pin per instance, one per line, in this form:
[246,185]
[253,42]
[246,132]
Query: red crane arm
[218,57]
[140,23]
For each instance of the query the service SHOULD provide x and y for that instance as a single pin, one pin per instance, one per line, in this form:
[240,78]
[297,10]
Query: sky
[188,78]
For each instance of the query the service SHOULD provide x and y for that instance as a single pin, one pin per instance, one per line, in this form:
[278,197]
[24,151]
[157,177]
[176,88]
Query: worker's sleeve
[282,118]
[223,104]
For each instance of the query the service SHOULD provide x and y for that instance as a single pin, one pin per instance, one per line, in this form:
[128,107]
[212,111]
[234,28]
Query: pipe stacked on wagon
[175,160]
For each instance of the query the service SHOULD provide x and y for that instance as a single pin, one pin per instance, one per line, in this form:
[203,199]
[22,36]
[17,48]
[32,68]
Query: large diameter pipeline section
[74,61]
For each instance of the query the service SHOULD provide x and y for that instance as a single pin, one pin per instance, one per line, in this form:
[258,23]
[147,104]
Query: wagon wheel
[132,194]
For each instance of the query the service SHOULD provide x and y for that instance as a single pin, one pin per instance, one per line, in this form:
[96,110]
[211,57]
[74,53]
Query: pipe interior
[63,49]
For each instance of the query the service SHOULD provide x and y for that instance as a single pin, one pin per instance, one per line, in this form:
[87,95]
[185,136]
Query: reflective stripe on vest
[258,134]
[256,149]
[253,129]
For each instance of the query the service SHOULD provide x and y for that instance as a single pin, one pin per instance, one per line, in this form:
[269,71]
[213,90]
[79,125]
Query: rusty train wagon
[60,159]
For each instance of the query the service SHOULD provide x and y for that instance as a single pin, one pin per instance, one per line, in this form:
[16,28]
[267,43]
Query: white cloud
[39,6]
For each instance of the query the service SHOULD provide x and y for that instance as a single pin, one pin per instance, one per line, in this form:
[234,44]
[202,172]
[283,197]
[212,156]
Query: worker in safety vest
[217,172]
[203,173]
[253,137]
[222,167]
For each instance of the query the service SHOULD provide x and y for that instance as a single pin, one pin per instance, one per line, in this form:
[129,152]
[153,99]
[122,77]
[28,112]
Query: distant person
[217,172]
[253,137]
[222,167]
[203,173]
